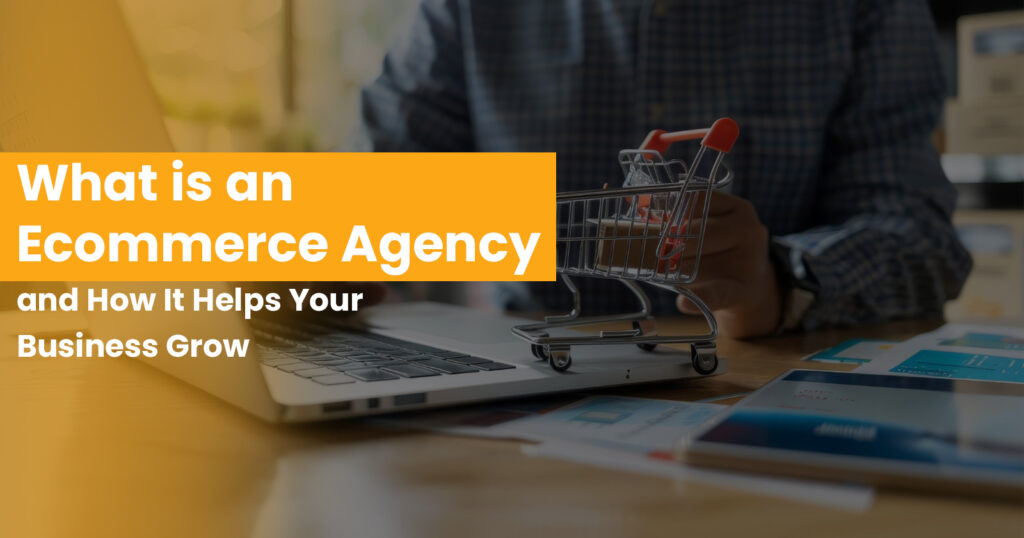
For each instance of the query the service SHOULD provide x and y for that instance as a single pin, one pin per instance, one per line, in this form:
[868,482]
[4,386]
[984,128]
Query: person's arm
[884,246]
[418,103]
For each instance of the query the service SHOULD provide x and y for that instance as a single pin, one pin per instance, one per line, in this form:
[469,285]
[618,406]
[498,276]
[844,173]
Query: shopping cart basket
[650,230]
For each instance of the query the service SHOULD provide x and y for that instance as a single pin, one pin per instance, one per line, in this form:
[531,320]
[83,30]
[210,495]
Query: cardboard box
[995,288]
[984,129]
[639,237]
[991,62]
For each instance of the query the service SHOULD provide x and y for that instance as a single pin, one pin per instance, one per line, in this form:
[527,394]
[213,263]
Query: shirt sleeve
[884,246]
[418,102]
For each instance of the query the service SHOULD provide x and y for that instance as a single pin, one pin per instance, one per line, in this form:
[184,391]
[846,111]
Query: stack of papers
[640,435]
[630,434]
[649,428]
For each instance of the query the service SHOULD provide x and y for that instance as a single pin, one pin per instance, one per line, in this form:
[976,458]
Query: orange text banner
[278,216]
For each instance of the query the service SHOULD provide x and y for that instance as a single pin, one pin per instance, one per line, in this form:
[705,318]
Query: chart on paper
[957,352]
[982,367]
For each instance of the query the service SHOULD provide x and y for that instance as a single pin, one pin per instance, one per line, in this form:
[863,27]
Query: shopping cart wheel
[539,351]
[640,332]
[560,359]
[705,357]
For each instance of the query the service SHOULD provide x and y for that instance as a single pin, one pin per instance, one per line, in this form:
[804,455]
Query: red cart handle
[720,137]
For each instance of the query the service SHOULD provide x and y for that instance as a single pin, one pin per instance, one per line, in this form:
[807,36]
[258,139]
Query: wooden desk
[100,447]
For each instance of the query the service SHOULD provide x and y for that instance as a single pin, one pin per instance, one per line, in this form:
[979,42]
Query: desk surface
[111,448]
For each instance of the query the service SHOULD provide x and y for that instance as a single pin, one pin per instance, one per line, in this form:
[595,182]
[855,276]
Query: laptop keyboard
[336,357]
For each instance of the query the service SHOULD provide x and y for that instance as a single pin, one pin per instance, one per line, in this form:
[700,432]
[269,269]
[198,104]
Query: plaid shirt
[836,100]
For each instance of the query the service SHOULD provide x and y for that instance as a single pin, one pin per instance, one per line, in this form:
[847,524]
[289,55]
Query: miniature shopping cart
[650,230]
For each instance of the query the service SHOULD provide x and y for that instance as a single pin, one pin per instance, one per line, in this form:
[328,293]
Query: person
[840,211]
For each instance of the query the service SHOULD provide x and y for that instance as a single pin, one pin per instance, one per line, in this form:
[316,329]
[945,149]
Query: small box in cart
[631,243]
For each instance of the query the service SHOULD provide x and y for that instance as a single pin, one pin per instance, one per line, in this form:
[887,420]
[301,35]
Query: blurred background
[981,142]
[262,75]
[284,75]
[253,75]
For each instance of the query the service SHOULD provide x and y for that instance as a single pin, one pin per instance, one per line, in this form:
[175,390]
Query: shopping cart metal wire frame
[649,231]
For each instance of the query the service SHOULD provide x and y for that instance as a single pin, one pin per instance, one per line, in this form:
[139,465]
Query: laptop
[391,357]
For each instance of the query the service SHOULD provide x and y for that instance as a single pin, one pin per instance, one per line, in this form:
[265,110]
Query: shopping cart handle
[719,137]
[722,135]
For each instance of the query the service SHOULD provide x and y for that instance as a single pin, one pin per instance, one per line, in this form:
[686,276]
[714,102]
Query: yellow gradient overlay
[414,193]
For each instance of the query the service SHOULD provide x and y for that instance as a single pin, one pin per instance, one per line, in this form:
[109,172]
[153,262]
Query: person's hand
[736,278]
